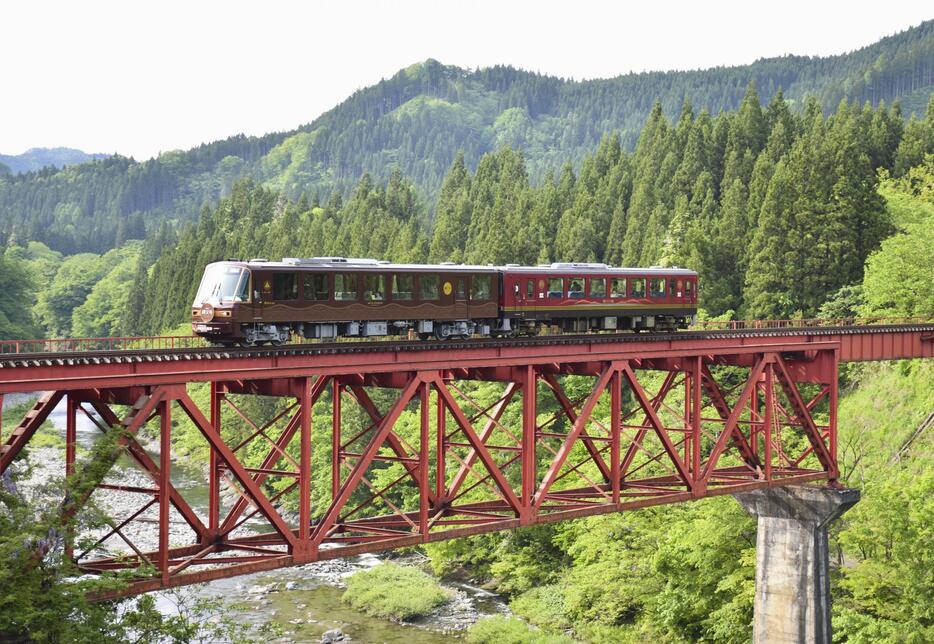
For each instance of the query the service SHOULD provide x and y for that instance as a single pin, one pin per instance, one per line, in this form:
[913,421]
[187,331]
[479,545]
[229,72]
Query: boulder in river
[334,635]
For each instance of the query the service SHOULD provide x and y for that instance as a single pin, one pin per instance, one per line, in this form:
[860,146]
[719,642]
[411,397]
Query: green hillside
[420,119]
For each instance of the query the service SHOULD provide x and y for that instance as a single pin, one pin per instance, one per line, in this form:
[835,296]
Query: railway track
[123,356]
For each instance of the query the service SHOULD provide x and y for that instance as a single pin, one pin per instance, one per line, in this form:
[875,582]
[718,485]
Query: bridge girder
[350,460]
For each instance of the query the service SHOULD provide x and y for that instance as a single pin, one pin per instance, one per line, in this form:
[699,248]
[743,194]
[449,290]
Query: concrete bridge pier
[792,602]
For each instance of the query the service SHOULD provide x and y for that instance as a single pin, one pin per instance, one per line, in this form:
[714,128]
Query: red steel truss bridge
[380,445]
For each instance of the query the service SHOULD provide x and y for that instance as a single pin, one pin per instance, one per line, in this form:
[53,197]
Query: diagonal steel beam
[657,425]
[579,424]
[656,403]
[27,427]
[349,485]
[137,417]
[750,457]
[234,466]
[492,421]
[143,459]
[570,412]
[363,398]
[294,424]
[482,452]
[731,422]
[813,434]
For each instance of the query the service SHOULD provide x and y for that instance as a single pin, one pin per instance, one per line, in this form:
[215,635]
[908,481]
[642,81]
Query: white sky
[139,78]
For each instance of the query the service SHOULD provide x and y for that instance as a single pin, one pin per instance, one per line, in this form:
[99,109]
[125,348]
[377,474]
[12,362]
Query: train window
[673,289]
[555,287]
[657,287]
[284,287]
[638,287]
[597,287]
[316,286]
[345,286]
[243,290]
[688,287]
[402,287]
[429,287]
[374,288]
[461,288]
[619,287]
[480,289]
[530,289]
[576,287]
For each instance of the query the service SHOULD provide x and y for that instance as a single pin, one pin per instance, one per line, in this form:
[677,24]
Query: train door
[461,289]
[262,291]
[446,294]
[531,294]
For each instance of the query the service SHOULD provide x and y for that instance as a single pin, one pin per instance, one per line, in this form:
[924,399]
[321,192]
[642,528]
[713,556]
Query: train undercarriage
[261,333]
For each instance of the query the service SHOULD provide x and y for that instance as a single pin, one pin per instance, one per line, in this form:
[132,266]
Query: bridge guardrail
[68,345]
[740,325]
[161,342]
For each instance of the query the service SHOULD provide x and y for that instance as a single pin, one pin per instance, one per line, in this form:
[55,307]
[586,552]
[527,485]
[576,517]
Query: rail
[158,342]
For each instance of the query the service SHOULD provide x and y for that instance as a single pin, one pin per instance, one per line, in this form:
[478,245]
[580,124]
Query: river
[304,601]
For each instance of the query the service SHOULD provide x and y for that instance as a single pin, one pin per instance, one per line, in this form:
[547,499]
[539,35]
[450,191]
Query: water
[298,599]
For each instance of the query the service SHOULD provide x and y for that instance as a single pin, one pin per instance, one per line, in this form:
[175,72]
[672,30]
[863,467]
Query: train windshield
[223,284]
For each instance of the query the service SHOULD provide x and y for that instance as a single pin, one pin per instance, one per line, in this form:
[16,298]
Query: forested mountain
[777,210]
[420,120]
[38,158]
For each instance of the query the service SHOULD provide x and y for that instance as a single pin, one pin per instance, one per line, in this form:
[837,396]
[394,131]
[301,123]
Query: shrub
[398,592]
[509,630]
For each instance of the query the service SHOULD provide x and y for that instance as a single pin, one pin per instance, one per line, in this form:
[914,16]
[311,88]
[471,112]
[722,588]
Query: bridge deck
[24,372]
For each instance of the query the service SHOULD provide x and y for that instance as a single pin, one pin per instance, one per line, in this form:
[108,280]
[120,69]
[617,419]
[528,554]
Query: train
[258,301]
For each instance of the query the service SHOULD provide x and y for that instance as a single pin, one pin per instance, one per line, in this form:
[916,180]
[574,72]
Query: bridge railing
[740,325]
[161,342]
[69,345]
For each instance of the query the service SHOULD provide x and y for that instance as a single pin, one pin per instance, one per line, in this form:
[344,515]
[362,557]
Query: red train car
[582,297]
[259,301]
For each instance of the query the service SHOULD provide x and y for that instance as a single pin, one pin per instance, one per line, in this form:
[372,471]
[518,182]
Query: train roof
[557,268]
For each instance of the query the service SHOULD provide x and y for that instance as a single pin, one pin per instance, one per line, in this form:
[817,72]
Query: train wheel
[249,338]
[442,333]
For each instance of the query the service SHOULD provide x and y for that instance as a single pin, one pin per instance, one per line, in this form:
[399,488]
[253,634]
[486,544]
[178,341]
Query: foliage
[885,590]
[898,276]
[391,590]
[16,320]
[104,312]
[508,630]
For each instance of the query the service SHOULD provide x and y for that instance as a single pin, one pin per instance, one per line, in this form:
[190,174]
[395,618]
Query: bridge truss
[360,451]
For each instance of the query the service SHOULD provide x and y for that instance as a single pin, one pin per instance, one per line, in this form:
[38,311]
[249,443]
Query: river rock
[334,635]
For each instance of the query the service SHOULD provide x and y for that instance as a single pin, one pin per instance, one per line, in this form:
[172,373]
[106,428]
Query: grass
[393,591]
[509,630]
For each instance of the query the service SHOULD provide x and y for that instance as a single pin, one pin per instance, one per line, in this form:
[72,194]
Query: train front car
[582,297]
[222,301]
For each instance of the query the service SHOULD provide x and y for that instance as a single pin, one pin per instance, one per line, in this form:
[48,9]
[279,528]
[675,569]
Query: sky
[139,77]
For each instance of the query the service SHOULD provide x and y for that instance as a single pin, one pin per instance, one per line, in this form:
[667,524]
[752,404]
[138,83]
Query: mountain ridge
[419,119]
[38,158]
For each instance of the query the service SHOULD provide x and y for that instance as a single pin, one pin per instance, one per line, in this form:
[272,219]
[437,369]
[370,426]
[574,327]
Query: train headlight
[207,312]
